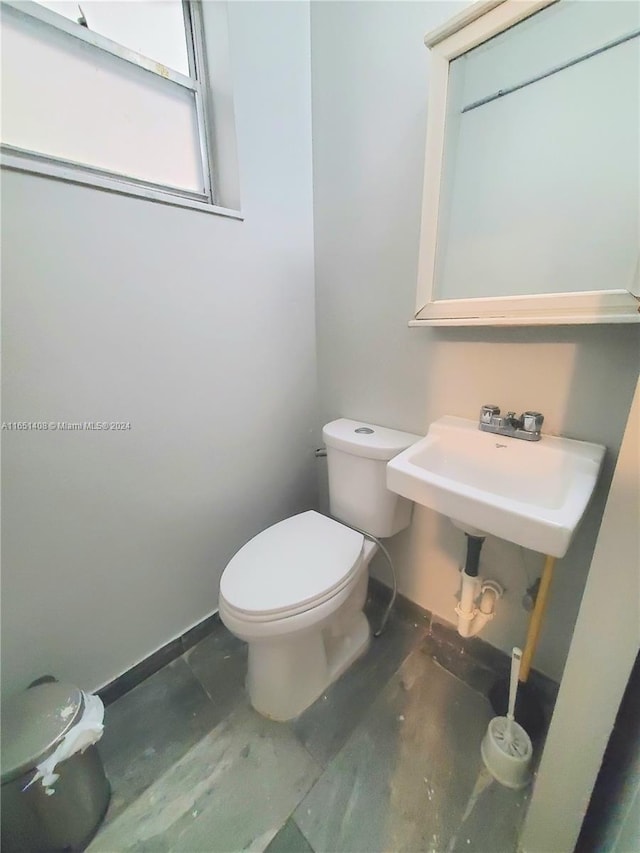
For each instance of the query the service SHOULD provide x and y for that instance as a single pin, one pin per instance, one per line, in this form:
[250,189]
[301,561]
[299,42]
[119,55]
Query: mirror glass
[540,182]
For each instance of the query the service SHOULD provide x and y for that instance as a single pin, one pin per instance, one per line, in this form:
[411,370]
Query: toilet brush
[506,747]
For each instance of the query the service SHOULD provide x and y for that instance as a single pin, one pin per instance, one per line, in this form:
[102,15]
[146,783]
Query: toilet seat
[291,567]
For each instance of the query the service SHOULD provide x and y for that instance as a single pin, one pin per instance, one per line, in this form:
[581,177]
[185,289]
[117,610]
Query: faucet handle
[532,421]
[487,412]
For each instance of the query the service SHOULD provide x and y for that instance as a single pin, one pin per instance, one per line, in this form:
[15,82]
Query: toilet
[295,592]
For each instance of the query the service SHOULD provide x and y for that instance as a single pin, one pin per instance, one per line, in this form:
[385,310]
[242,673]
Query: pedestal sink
[530,493]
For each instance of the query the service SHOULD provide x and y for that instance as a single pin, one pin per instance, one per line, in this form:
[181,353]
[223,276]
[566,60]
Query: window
[109,94]
[154,28]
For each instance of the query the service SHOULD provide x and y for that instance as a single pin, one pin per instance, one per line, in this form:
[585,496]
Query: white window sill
[19,160]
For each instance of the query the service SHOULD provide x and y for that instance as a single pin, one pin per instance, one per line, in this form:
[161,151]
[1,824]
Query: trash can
[64,814]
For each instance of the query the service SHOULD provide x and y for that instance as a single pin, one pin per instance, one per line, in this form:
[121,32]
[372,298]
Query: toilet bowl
[296,591]
[295,594]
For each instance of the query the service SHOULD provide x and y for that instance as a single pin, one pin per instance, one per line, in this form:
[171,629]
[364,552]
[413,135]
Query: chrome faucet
[527,426]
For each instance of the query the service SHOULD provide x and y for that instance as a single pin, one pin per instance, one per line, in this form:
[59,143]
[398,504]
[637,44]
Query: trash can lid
[34,722]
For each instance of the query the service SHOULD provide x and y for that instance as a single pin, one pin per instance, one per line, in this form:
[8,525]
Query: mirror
[531,211]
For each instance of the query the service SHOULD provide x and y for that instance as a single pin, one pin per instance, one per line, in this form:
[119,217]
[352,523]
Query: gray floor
[387,760]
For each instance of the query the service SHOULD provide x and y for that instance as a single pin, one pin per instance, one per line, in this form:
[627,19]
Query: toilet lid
[295,562]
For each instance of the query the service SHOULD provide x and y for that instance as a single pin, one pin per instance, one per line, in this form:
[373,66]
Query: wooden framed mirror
[531,203]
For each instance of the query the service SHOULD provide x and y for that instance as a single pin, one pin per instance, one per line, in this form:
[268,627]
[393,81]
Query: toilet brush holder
[506,747]
[507,754]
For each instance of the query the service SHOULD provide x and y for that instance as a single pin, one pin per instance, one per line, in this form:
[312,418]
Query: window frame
[35,162]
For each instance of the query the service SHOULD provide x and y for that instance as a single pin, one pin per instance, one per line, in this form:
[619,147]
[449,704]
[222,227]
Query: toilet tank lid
[369,440]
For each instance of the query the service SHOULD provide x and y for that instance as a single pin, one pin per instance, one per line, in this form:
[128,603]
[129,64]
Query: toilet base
[285,678]
[292,660]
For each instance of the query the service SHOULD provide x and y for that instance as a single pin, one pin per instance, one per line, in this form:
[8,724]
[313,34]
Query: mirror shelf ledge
[605,306]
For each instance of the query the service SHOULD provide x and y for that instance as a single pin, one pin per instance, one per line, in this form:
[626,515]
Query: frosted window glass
[154,29]
[65,99]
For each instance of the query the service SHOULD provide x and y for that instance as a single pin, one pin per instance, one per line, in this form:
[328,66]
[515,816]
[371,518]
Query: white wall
[197,329]
[603,651]
[370,87]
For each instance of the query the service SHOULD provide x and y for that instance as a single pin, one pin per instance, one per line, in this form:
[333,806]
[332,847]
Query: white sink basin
[532,493]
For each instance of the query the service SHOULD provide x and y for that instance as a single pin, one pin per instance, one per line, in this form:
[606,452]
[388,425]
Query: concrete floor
[388,759]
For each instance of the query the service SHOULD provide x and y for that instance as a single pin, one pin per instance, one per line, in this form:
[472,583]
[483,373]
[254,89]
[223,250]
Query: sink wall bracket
[535,621]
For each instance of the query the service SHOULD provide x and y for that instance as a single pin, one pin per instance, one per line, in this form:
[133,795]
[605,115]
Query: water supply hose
[394,582]
[319,453]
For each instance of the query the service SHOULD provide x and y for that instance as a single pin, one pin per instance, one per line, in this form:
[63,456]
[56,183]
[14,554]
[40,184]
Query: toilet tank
[357,456]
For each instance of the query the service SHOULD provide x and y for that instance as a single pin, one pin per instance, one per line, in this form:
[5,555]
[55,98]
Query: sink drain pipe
[478,598]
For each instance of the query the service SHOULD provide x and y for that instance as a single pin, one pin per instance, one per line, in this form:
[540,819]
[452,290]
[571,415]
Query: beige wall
[370,88]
